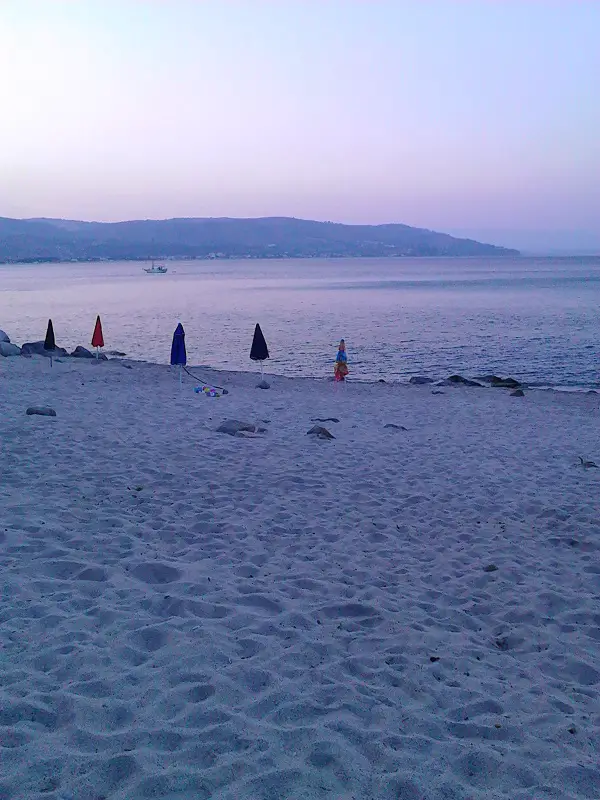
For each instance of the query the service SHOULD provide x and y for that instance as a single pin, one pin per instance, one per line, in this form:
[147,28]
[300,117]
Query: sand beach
[397,613]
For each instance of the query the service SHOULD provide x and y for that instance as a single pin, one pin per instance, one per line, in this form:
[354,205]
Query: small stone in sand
[327,419]
[437,392]
[263,385]
[41,411]
[395,427]
[320,432]
[490,568]
[517,393]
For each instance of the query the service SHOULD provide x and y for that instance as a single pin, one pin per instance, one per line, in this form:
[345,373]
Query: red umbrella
[97,338]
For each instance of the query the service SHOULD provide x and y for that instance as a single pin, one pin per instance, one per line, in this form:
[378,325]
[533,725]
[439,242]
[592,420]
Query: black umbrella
[259,350]
[50,341]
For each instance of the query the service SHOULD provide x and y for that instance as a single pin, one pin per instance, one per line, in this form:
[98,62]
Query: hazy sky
[449,114]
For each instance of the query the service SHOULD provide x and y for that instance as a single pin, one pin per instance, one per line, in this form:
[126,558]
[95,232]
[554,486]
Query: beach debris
[320,432]
[4,337]
[458,380]
[490,568]
[234,427]
[326,419]
[420,380]
[263,385]
[588,464]
[517,393]
[40,411]
[395,427]
[7,349]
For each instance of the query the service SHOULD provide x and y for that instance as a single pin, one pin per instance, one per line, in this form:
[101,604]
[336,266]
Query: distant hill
[268,237]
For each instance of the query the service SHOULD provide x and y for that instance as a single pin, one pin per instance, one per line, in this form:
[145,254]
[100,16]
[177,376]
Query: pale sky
[446,114]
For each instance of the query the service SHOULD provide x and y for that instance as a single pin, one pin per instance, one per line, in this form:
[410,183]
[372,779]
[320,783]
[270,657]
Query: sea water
[537,319]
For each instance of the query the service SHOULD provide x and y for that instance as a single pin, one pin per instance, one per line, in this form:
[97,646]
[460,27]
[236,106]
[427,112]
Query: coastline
[388,613]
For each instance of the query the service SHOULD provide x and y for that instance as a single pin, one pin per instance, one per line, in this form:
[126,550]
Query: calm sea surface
[535,319]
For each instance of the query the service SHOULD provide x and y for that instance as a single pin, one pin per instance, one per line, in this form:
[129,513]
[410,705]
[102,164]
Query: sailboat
[155,269]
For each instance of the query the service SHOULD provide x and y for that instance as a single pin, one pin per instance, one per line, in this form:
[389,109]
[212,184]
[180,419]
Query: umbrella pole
[180,374]
[262,371]
[97,352]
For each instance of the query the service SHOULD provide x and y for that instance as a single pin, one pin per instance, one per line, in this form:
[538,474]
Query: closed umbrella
[97,336]
[178,354]
[50,341]
[259,350]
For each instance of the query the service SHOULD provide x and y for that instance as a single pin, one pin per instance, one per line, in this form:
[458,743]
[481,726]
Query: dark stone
[420,380]
[434,392]
[487,378]
[490,568]
[395,427]
[263,385]
[38,349]
[458,380]
[327,419]
[505,383]
[40,411]
[517,393]
[116,353]
[82,352]
[321,433]
[4,337]
[234,427]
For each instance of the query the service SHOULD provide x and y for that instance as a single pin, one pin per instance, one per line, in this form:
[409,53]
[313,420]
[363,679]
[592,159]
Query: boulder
[41,411]
[234,427]
[82,352]
[320,432]
[458,380]
[4,337]
[420,380]
[8,349]
[505,383]
[37,349]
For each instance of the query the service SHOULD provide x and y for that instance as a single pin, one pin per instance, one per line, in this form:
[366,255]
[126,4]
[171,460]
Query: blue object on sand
[178,354]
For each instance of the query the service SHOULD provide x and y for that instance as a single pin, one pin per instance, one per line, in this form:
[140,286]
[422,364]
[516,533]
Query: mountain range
[25,240]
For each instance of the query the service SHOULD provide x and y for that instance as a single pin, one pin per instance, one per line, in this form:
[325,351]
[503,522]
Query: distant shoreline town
[55,240]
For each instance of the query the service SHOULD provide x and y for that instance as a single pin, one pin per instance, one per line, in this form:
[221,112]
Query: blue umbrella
[178,355]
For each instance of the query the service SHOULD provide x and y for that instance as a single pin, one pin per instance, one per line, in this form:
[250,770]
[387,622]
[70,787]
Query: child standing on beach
[341,363]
